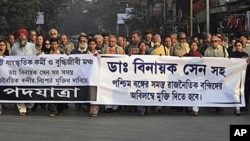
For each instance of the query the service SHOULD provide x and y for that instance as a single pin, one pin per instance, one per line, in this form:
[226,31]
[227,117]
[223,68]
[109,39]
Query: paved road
[120,126]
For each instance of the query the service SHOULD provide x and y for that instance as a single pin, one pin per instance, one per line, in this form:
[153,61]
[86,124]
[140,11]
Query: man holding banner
[21,48]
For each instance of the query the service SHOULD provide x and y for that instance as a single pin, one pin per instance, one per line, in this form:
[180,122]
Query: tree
[90,17]
[22,14]
[18,14]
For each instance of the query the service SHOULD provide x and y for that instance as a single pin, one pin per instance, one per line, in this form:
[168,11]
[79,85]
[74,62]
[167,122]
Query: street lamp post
[208,18]
[191,18]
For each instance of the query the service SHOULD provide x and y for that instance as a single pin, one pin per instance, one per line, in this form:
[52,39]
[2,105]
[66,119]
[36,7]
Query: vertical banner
[171,81]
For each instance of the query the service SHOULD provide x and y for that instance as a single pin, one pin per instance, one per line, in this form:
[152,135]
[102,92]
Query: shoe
[237,112]
[93,115]
[195,113]
[60,114]
[22,114]
[51,115]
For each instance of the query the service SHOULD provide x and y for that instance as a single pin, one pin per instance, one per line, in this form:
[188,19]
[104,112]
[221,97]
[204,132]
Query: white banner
[49,78]
[171,81]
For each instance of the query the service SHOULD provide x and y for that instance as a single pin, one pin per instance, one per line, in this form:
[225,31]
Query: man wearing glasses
[53,33]
[216,49]
[180,46]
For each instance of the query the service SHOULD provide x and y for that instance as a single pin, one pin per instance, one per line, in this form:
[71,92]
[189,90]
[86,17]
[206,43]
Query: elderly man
[180,46]
[65,45]
[113,48]
[21,48]
[53,33]
[217,50]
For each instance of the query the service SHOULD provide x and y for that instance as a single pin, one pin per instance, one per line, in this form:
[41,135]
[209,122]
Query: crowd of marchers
[29,42]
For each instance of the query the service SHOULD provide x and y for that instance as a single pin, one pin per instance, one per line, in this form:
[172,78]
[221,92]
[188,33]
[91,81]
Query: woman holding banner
[3,52]
[239,53]
[194,52]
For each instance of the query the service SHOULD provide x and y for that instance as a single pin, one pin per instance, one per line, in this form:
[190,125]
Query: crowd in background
[29,42]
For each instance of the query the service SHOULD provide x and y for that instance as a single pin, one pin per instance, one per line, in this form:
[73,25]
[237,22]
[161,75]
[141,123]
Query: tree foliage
[68,16]
[15,14]
[95,17]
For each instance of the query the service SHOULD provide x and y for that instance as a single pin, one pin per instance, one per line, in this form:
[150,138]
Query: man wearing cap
[20,48]
[82,46]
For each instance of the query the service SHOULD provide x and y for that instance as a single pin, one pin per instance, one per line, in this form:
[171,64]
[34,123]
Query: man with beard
[81,49]
[20,48]
[99,40]
[82,46]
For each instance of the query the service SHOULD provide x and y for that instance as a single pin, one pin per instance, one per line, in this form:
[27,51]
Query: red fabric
[23,31]
[199,6]
[194,54]
[241,27]
[232,21]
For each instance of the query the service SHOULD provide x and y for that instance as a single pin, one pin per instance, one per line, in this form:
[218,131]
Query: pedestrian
[3,52]
[92,44]
[216,50]
[55,108]
[23,48]
[82,48]
[65,45]
[194,52]
[112,48]
[46,49]
[33,36]
[239,53]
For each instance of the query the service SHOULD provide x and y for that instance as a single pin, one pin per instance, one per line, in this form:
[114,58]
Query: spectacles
[215,41]
[47,43]
[182,38]
[238,45]
[53,34]
[82,41]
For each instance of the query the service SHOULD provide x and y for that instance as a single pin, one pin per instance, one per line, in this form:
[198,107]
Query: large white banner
[49,78]
[171,81]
